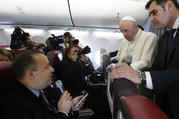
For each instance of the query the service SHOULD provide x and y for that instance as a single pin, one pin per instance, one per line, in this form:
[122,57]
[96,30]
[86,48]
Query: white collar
[176,24]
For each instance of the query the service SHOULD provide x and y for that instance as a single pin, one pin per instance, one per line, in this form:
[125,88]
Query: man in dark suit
[24,98]
[163,77]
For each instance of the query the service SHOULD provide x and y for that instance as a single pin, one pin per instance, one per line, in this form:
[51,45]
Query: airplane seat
[140,107]
[121,87]
[54,56]
[18,51]
[105,62]
[13,53]
[109,89]
[5,73]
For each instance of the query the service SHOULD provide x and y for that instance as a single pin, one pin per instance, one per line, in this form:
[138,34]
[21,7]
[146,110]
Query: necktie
[170,41]
[43,98]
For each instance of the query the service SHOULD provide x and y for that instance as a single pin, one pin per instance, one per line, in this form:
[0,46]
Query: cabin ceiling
[71,13]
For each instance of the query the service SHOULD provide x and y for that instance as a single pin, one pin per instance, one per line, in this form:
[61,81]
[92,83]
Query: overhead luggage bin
[106,13]
[35,12]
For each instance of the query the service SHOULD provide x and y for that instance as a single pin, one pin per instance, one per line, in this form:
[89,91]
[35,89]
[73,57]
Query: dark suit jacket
[18,102]
[72,76]
[165,74]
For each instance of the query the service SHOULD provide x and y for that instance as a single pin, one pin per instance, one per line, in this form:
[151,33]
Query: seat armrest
[140,107]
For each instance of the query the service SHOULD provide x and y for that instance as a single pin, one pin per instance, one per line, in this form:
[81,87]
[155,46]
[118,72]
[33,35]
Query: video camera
[56,40]
[18,37]
[75,41]
[19,34]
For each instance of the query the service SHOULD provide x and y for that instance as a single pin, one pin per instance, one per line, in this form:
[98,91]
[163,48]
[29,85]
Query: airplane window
[97,58]
[60,56]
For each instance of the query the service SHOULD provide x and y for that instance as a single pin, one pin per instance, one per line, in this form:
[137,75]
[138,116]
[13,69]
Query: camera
[85,50]
[18,37]
[76,41]
[19,34]
[73,40]
[55,40]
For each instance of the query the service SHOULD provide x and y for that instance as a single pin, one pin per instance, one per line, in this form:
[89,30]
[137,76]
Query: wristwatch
[142,76]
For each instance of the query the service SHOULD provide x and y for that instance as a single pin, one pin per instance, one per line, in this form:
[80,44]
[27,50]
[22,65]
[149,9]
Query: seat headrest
[5,72]
[122,87]
[53,56]
[134,104]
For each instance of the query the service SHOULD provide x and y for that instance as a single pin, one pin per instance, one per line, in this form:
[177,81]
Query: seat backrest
[5,72]
[139,107]
[105,62]
[19,51]
[122,87]
[53,56]
[13,54]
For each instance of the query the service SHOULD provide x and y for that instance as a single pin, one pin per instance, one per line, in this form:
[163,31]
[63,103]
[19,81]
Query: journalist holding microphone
[25,98]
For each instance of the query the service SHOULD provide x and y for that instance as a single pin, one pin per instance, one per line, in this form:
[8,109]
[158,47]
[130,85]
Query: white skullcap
[128,18]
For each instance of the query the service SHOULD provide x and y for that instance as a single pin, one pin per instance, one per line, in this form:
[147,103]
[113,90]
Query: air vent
[20,10]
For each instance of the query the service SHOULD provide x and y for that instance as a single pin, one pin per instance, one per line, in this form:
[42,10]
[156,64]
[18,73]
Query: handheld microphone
[128,59]
[60,86]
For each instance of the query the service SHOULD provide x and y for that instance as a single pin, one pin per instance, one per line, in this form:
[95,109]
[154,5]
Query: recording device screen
[81,100]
